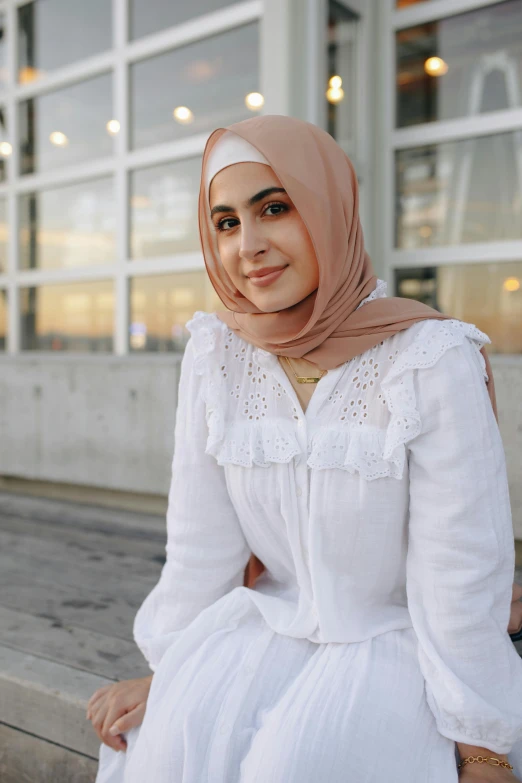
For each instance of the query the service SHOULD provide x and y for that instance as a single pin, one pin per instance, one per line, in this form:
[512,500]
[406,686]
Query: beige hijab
[325,328]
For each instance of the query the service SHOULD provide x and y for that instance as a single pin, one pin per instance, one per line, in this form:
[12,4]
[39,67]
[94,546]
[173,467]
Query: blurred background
[105,108]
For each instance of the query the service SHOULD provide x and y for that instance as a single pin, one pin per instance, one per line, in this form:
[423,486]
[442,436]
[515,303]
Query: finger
[96,696]
[131,719]
[113,714]
[115,742]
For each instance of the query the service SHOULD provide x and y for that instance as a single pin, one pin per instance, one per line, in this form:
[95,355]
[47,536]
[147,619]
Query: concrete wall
[109,422]
[98,421]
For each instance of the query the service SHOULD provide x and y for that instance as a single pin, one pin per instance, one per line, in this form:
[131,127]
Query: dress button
[223,729]
[300,423]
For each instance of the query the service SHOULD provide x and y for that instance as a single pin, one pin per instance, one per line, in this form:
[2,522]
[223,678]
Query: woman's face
[257,226]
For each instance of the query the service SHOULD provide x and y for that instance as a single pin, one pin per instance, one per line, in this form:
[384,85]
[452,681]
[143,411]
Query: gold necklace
[304,378]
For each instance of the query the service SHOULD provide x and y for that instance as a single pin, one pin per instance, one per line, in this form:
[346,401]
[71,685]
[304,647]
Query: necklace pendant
[307,380]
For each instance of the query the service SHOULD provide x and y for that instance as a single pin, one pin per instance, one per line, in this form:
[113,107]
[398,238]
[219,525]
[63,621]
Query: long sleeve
[460,563]
[206,552]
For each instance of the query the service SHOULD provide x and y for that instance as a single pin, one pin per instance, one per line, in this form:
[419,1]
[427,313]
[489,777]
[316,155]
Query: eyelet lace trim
[373,452]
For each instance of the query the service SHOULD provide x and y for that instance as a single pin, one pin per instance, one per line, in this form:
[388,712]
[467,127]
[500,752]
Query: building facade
[105,108]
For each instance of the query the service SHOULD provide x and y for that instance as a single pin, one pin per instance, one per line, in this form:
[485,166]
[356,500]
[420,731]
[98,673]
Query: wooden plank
[49,700]
[28,759]
[93,652]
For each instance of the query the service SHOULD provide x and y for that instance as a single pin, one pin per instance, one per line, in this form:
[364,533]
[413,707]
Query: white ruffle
[373,452]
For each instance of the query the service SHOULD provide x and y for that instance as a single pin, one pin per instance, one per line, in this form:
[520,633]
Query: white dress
[376,638]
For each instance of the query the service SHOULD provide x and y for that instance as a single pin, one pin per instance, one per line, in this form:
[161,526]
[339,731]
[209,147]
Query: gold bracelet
[491,760]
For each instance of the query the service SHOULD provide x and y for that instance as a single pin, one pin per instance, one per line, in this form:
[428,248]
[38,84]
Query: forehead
[239,181]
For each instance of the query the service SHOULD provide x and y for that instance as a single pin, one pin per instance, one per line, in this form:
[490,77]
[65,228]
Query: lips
[268,270]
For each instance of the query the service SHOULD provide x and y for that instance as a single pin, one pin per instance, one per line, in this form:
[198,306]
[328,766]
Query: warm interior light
[435,66]
[29,74]
[334,94]
[113,127]
[425,232]
[254,101]
[511,284]
[59,139]
[5,149]
[183,115]
[335,81]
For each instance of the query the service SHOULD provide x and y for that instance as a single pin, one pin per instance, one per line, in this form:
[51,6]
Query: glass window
[195,88]
[460,66]
[70,226]
[157,15]
[67,126]
[488,295]
[461,191]
[341,92]
[3,319]
[3,235]
[161,305]
[55,33]
[164,209]
[3,52]
[68,316]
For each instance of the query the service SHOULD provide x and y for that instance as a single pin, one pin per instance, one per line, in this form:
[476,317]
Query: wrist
[478,750]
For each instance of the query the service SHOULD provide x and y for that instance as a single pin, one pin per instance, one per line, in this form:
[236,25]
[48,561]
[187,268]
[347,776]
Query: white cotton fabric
[376,638]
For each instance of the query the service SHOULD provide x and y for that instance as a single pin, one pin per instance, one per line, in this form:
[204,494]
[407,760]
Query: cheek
[301,250]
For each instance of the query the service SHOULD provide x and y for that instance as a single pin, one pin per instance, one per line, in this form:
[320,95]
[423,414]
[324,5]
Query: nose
[252,243]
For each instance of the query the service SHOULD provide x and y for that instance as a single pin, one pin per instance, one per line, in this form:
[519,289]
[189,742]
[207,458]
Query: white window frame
[439,132]
[271,14]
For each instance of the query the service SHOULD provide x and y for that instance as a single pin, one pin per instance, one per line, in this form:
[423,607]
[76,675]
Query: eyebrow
[250,203]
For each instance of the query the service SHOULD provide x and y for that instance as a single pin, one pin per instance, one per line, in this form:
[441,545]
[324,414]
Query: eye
[221,225]
[277,205]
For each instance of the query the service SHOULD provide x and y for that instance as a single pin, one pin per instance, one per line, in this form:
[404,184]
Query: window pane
[67,126]
[487,295]
[460,66]
[156,15]
[3,52]
[458,192]
[3,235]
[54,33]
[164,209]
[3,319]
[68,317]
[341,91]
[205,84]
[161,305]
[68,227]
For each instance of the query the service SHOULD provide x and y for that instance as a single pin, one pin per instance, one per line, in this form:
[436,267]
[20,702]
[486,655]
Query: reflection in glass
[157,15]
[164,204]
[3,52]
[460,66]
[194,88]
[55,33]
[3,235]
[458,192]
[66,126]
[341,91]
[487,295]
[68,317]
[161,305]
[68,227]
[3,319]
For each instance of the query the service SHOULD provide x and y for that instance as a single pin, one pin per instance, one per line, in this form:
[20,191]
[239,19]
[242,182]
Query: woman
[348,441]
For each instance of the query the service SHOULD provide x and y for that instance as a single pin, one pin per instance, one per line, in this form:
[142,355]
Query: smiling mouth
[267,279]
